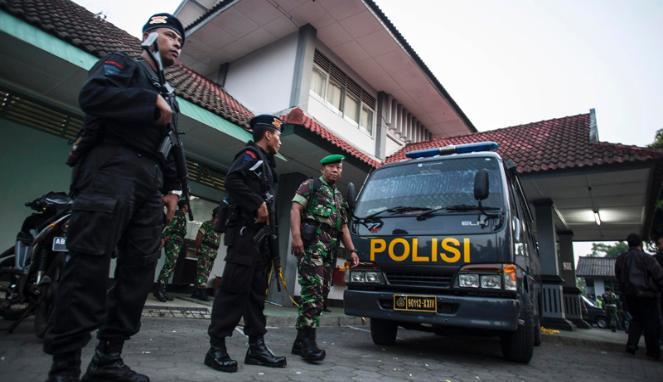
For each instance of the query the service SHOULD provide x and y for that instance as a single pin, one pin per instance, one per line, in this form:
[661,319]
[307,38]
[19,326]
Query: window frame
[344,93]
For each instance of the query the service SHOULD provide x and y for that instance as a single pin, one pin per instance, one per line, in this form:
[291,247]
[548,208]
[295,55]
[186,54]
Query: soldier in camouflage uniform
[318,219]
[207,246]
[173,241]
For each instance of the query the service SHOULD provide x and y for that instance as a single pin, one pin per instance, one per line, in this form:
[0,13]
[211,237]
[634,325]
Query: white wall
[262,80]
[599,287]
[392,145]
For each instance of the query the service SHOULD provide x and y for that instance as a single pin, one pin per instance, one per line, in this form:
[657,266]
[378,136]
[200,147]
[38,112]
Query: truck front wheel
[518,346]
[383,332]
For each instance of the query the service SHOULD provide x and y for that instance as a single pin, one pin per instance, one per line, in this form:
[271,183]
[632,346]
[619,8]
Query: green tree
[608,250]
[658,140]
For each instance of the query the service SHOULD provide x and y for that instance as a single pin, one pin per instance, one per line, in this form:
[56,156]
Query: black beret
[265,121]
[164,20]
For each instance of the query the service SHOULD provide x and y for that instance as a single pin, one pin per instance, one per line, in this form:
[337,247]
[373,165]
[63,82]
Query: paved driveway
[170,349]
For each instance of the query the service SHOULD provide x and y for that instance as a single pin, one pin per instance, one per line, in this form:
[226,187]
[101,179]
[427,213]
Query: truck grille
[419,280]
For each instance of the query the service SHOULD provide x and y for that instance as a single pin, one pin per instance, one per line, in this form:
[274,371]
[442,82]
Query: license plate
[59,244]
[415,303]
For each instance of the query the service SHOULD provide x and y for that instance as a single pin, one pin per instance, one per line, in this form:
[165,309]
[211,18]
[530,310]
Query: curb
[205,312]
[583,342]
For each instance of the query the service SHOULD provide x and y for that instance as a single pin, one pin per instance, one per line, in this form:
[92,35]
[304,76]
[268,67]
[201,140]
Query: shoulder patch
[249,155]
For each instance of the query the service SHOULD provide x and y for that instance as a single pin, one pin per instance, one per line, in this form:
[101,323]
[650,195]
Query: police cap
[265,122]
[330,159]
[164,20]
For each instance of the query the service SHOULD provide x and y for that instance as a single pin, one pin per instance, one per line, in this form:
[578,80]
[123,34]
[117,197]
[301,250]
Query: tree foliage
[658,140]
[608,250]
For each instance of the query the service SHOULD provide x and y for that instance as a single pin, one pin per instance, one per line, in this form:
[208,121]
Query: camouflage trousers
[206,257]
[172,249]
[312,266]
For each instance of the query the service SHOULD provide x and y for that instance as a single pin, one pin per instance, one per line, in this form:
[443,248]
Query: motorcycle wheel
[47,301]
[8,310]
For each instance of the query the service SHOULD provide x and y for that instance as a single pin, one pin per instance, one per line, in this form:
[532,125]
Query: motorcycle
[30,270]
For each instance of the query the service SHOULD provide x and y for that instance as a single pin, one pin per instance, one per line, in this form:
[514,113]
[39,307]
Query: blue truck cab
[446,244]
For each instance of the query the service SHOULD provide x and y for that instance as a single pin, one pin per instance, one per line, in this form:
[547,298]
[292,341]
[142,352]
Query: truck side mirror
[481,185]
[351,196]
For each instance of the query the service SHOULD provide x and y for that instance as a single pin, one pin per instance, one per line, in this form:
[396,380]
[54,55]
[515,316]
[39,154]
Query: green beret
[333,158]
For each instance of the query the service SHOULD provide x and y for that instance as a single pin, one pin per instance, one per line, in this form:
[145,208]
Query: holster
[307,231]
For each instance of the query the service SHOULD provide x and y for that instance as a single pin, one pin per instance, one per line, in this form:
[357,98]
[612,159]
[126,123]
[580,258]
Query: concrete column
[553,314]
[381,125]
[572,301]
[301,80]
[288,184]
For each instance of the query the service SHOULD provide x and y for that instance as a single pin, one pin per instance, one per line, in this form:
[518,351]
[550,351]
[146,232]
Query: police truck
[446,245]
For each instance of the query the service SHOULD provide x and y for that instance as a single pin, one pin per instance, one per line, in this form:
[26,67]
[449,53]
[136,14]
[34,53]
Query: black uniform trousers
[645,318]
[243,287]
[117,207]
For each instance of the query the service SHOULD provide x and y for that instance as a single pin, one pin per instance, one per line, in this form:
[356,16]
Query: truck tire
[518,346]
[602,322]
[383,332]
[537,333]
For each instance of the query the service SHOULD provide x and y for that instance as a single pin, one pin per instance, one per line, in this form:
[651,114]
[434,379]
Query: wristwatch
[354,251]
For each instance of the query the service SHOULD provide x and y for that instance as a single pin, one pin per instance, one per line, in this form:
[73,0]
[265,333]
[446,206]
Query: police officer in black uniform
[251,185]
[119,187]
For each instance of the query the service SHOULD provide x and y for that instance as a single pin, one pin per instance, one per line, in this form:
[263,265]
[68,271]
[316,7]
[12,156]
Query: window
[429,185]
[351,108]
[334,92]
[318,82]
[366,119]
[342,94]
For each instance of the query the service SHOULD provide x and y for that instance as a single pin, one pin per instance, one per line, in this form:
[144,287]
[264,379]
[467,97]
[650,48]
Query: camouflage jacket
[176,230]
[211,238]
[326,206]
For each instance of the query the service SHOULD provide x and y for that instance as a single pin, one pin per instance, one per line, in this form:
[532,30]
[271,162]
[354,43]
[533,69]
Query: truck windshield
[416,187]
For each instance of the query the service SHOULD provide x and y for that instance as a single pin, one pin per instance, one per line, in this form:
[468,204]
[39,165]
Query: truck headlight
[501,276]
[365,276]
[468,280]
[372,277]
[491,281]
[357,277]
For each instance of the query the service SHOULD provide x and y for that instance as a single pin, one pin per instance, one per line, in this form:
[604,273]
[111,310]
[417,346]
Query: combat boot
[160,292]
[65,367]
[259,354]
[107,365]
[309,348]
[297,345]
[217,358]
[200,294]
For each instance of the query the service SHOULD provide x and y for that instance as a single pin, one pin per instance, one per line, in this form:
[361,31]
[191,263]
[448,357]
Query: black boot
[309,348]
[259,354]
[217,358]
[107,365]
[200,294]
[160,292]
[65,367]
[297,345]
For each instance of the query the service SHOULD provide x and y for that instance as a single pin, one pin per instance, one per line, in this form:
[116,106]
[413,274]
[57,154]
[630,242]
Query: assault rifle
[270,232]
[172,140]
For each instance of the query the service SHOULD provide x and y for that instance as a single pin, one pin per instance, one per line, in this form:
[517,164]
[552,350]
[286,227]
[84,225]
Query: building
[340,73]
[599,274]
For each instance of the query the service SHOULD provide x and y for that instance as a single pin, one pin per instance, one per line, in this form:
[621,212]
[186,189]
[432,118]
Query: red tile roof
[602,267]
[556,144]
[78,26]
[296,116]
